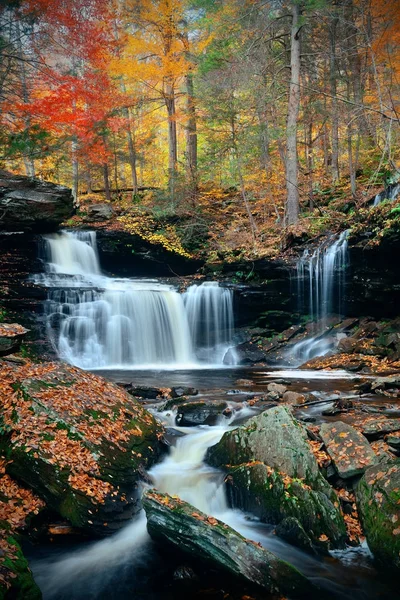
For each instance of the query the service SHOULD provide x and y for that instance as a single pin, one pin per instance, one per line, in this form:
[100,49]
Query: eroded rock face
[350,451]
[28,204]
[79,441]
[378,500]
[181,526]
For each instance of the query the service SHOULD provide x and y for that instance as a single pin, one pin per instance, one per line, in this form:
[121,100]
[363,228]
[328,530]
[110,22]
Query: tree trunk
[106,182]
[191,134]
[75,170]
[292,202]
[172,137]
[335,110]
[28,160]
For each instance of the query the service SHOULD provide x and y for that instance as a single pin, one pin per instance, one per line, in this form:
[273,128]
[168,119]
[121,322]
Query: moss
[23,586]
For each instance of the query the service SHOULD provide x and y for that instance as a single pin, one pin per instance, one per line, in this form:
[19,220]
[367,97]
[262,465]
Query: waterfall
[96,321]
[389,193]
[320,280]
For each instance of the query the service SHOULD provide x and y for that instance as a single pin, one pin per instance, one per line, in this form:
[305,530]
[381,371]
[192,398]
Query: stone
[80,442]
[273,496]
[293,398]
[277,387]
[378,502]
[28,204]
[178,392]
[393,441]
[182,527]
[377,428]
[246,354]
[192,414]
[16,576]
[274,438]
[11,336]
[99,212]
[347,345]
[350,452]
[291,530]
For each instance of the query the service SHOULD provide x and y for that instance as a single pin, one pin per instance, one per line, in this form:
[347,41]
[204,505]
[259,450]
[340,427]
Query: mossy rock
[273,496]
[274,438]
[378,501]
[81,442]
[16,579]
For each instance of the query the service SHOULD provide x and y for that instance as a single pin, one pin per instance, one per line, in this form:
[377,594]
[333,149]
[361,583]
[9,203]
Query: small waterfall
[389,193]
[98,322]
[320,280]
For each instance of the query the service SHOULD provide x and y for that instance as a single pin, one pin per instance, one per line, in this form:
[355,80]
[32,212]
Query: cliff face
[28,204]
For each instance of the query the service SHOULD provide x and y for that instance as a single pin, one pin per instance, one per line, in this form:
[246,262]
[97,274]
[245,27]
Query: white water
[86,573]
[390,193]
[320,279]
[98,322]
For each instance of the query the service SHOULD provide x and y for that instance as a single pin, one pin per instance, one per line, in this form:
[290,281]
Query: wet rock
[178,392]
[378,501]
[79,441]
[393,441]
[378,428]
[149,393]
[277,387]
[293,398]
[28,204]
[347,345]
[181,526]
[98,212]
[275,438]
[199,413]
[273,397]
[291,530]
[11,336]
[273,496]
[16,581]
[349,450]
[246,354]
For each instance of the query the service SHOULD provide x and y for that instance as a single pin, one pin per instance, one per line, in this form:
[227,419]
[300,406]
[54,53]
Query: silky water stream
[128,564]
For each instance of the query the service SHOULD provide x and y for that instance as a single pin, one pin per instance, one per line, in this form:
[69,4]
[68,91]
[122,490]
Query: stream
[148,333]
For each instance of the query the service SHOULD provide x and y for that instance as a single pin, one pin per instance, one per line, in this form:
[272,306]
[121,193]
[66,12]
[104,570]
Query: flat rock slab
[375,428]
[11,335]
[348,449]
[182,527]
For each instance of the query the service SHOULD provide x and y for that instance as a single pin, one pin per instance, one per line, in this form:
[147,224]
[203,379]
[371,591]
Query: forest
[199,299]
[239,117]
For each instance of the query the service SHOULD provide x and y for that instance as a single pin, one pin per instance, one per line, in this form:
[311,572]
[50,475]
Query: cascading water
[98,322]
[389,193]
[320,280]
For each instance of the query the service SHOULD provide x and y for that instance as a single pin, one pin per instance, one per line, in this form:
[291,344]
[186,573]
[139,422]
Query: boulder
[244,354]
[28,204]
[293,398]
[182,527]
[291,530]
[377,428]
[192,414]
[178,392]
[77,440]
[16,579]
[350,452]
[347,345]
[11,335]
[277,388]
[149,393]
[274,496]
[378,501]
[274,438]
[99,212]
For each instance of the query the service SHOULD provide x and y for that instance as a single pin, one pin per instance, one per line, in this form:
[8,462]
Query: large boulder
[378,501]
[11,336]
[273,496]
[274,438]
[28,204]
[273,473]
[350,452]
[181,526]
[80,442]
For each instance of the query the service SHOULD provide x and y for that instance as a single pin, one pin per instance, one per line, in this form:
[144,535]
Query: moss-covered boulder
[182,527]
[378,501]
[274,438]
[78,440]
[273,473]
[274,496]
[349,450]
[16,580]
